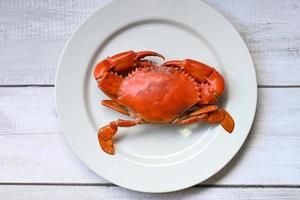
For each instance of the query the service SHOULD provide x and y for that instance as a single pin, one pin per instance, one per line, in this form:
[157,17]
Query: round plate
[148,157]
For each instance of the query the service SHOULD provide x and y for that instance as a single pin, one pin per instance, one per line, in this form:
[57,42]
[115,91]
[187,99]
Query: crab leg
[209,114]
[203,110]
[191,119]
[106,133]
[199,115]
[116,106]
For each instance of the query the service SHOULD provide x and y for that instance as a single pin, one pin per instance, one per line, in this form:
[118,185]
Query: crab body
[178,92]
[155,93]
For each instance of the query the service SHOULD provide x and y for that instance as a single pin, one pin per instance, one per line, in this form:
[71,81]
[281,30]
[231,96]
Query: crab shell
[158,94]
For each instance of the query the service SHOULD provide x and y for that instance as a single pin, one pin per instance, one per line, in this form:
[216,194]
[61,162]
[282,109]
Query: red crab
[177,92]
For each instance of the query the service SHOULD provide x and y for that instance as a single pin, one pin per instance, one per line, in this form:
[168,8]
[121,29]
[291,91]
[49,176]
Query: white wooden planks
[33,34]
[96,192]
[31,28]
[270,30]
[33,150]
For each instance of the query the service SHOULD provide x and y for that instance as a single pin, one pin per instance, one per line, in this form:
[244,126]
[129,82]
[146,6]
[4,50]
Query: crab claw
[211,81]
[214,89]
[223,117]
[197,69]
[105,135]
[228,122]
[121,61]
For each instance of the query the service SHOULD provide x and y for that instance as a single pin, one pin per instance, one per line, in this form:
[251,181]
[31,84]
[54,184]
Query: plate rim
[109,179]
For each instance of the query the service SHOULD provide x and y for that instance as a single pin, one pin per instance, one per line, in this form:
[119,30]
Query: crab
[177,92]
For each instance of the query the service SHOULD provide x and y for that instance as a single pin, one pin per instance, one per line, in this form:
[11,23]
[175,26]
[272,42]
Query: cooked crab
[177,92]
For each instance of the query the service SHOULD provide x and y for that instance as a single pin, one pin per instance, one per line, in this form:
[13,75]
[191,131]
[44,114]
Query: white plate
[155,158]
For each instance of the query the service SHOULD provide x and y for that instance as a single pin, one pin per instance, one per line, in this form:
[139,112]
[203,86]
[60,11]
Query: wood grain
[269,28]
[37,163]
[33,34]
[33,149]
[31,28]
[96,192]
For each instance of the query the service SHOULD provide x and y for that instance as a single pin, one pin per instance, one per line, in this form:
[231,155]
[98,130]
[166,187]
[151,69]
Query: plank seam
[112,185]
[28,85]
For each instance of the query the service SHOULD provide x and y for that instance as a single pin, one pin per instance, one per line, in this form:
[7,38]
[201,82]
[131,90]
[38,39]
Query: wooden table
[37,163]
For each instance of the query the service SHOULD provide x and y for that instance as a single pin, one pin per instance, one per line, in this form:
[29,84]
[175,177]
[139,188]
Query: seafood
[177,92]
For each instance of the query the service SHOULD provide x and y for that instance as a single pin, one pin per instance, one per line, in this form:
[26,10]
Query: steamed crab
[177,92]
